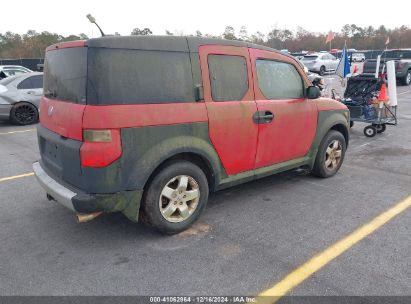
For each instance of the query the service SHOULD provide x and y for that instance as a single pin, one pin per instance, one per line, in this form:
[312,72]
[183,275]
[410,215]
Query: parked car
[20,97]
[316,80]
[13,70]
[402,60]
[358,57]
[149,125]
[320,62]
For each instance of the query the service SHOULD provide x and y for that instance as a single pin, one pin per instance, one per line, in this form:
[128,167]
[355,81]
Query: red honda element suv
[150,125]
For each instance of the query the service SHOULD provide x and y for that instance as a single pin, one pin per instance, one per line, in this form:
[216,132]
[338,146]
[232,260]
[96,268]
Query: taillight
[399,65]
[100,148]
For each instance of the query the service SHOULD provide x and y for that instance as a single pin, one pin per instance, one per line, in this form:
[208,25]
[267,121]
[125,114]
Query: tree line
[33,44]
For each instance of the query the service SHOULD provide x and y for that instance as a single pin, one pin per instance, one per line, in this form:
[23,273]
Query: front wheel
[175,198]
[330,155]
[24,113]
[370,131]
[322,70]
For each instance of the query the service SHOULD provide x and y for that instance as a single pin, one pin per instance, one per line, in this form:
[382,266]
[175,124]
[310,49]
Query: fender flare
[328,120]
[158,154]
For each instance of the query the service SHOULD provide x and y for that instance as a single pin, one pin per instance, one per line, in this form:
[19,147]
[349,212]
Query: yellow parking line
[22,131]
[3,179]
[303,272]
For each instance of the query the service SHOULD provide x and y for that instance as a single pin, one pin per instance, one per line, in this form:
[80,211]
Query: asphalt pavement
[249,238]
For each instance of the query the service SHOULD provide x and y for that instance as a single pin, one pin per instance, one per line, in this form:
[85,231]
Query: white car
[20,97]
[13,70]
[358,57]
[320,62]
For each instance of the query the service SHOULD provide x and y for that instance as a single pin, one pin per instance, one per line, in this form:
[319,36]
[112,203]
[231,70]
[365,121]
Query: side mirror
[313,92]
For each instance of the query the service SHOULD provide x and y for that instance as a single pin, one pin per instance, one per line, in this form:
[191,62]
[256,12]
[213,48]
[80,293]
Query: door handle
[267,115]
[263,117]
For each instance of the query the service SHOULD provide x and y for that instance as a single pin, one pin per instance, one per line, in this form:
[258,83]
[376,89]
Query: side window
[25,84]
[37,81]
[122,76]
[279,80]
[228,77]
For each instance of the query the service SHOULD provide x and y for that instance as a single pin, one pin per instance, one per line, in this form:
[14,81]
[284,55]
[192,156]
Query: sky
[209,16]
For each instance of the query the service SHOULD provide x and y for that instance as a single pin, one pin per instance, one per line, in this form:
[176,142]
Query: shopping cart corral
[362,97]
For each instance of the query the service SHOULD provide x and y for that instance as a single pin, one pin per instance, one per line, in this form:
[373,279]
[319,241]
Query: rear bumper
[76,200]
[57,191]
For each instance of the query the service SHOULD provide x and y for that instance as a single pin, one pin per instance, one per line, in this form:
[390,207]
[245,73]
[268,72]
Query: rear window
[121,76]
[310,57]
[65,74]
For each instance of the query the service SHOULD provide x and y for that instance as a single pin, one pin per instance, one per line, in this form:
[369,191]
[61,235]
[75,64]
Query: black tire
[380,128]
[151,214]
[370,131]
[406,80]
[24,113]
[322,70]
[351,124]
[320,168]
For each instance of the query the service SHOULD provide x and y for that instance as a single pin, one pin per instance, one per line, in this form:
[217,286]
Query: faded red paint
[64,118]
[69,119]
[327,104]
[68,44]
[142,115]
[231,127]
[292,131]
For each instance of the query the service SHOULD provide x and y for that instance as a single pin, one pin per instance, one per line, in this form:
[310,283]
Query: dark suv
[402,60]
[149,125]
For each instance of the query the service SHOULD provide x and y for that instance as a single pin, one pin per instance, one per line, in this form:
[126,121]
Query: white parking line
[22,131]
[404,92]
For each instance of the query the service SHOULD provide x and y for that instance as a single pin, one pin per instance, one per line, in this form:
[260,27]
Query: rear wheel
[380,128]
[330,154]
[406,80]
[322,70]
[24,113]
[175,198]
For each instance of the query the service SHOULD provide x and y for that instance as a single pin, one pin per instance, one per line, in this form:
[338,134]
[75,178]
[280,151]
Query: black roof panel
[166,43]
[158,43]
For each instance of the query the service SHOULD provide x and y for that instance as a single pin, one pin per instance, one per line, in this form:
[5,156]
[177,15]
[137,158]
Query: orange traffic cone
[383,93]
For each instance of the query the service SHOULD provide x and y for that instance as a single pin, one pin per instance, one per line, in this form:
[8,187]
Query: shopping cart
[361,98]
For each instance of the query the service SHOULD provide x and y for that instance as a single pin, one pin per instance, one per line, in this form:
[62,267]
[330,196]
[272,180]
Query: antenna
[93,20]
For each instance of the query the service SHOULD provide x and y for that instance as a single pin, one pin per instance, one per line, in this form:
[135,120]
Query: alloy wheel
[333,155]
[179,198]
[25,114]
